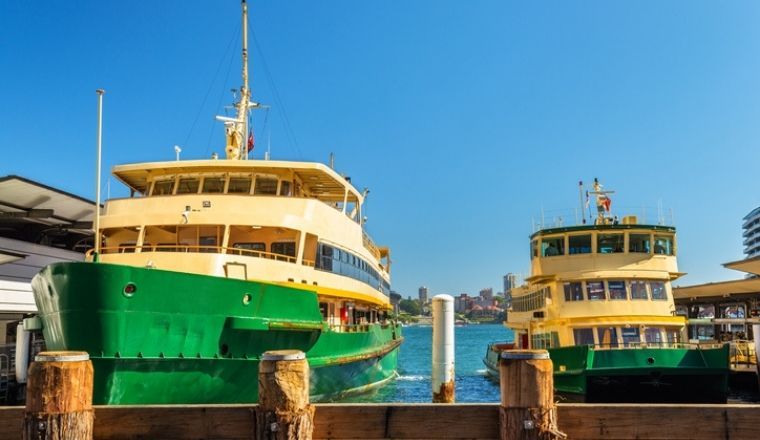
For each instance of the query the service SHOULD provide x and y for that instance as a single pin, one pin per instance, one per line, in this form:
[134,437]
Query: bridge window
[213,185]
[553,246]
[573,291]
[285,188]
[639,289]
[595,290]
[188,185]
[533,249]
[163,187]
[639,243]
[583,336]
[579,244]
[658,290]
[663,245]
[617,289]
[609,243]
[265,186]
[239,185]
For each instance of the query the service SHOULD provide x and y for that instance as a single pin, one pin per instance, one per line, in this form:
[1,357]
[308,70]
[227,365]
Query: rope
[210,86]
[547,430]
[278,100]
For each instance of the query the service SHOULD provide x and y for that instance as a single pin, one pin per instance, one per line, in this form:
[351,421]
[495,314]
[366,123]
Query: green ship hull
[162,337]
[654,375]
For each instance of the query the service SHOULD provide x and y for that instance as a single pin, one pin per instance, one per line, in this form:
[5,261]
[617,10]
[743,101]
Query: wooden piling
[527,410]
[59,397]
[284,412]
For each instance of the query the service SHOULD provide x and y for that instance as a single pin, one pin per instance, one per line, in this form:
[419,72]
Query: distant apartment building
[510,282]
[423,292]
[486,297]
[751,233]
[462,303]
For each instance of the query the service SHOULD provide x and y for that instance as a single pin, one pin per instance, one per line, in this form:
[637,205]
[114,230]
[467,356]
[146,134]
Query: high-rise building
[423,294]
[510,282]
[751,234]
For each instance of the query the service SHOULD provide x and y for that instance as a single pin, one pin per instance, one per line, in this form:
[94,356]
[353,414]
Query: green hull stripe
[187,338]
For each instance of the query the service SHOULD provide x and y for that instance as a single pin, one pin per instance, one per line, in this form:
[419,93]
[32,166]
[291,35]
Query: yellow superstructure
[607,285]
[300,223]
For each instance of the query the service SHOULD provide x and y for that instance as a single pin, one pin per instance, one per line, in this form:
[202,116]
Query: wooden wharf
[392,421]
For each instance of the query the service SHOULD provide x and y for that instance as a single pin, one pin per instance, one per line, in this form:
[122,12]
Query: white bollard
[443,349]
[22,353]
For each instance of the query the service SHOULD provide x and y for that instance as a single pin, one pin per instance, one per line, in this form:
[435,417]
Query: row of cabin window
[616,290]
[532,301]
[210,244]
[606,243]
[607,337]
[264,185]
[345,263]
[287,248]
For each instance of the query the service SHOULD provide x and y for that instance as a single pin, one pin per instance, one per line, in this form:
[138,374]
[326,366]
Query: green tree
[410,306]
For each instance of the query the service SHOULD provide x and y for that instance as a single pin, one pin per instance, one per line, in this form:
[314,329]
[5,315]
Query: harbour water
[413,384]
[472,384]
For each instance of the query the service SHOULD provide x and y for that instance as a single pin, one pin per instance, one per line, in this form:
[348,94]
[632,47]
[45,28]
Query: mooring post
[284,412]
[59,397]
[443,379]
[527,409]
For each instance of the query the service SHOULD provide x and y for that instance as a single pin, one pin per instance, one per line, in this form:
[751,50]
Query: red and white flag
[250,140]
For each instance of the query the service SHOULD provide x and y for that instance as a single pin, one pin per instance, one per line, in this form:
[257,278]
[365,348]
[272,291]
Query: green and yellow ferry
[599,299]
[210,263]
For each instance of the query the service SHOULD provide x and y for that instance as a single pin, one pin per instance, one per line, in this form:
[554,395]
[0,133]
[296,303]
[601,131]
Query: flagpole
[96,221]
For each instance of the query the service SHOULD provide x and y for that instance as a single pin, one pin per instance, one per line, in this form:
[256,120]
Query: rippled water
[472,385]
[414,366]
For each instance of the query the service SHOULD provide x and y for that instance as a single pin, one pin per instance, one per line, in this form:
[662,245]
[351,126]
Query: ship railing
[645,215]
[350,328]
[661,344]
[183,248]
[742,353]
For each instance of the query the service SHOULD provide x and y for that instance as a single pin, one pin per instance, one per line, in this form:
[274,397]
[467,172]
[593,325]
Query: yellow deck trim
[622,319]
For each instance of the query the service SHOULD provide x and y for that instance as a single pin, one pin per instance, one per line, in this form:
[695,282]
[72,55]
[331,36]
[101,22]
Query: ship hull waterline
[635,375]
[164,337]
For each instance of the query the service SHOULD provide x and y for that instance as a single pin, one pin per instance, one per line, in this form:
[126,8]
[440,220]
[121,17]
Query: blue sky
[465,119]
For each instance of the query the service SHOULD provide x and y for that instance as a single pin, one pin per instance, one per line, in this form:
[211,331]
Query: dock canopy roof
[321,180]
[26,202]
[718,289]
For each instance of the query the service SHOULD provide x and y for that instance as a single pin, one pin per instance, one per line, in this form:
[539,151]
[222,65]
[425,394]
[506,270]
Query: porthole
[247,299]
[129,289]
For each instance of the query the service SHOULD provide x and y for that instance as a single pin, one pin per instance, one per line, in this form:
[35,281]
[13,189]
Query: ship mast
[237,128]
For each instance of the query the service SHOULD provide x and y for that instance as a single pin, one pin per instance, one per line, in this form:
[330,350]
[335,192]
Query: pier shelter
[725,311]
[722,310]
[39,225]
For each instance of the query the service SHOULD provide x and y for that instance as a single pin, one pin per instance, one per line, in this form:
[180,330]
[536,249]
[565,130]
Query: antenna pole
[96,221]
[580,199]
[244,91]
